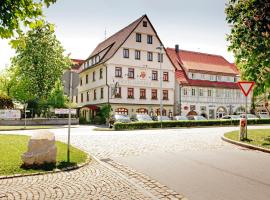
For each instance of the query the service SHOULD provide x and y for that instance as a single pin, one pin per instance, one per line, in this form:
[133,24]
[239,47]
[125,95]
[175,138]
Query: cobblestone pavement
[107,144]
[94,181]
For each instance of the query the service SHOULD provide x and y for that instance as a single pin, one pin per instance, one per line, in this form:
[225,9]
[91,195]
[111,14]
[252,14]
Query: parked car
[232,117]
[196,117]
[180,118]
[264,116]
[249,116]
[164,118]
[118,118]
[141,118]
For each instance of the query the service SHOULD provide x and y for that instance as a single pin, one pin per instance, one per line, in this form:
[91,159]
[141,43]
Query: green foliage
[5,102]
[57,99]
[40,63]
[250,40]
[190,123]
[82,120]
[17,13]
[103,114]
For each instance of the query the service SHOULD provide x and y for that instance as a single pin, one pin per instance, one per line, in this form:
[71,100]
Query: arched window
[142,111]
[164,112]
[122,111]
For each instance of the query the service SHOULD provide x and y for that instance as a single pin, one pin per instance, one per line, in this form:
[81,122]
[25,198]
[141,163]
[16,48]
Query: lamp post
[160,69]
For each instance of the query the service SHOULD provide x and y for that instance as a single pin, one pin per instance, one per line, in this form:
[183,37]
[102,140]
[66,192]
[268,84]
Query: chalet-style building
[131,60]
[206,84]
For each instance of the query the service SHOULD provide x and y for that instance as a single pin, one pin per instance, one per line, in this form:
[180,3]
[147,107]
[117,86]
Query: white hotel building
[206,84]
[192,83]
[130,58]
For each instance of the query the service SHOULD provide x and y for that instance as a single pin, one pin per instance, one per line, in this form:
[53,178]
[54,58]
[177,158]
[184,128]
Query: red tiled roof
[76,63]
[113,43]
[205,83]
[203,62]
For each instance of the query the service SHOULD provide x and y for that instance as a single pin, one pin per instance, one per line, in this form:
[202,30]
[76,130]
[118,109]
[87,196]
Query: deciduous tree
[250,39]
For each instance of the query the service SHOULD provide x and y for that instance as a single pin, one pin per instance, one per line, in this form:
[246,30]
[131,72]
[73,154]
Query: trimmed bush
[190,123]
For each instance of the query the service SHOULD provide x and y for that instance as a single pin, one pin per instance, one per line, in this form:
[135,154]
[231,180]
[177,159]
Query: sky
[196,25]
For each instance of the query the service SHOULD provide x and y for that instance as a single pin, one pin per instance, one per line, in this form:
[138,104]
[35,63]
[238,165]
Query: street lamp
[160,48]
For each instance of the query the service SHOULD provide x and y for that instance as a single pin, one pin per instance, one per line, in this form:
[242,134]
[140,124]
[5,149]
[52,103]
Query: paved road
[193,162]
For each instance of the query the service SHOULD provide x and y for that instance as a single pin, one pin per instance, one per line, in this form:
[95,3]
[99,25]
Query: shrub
[99,120]
[82,120]
[191,123]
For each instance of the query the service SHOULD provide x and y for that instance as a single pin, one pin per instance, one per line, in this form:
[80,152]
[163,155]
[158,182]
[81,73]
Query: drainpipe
[106,67]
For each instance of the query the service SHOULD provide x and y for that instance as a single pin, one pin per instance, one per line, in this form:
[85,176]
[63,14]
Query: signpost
[246,87]
[70,81]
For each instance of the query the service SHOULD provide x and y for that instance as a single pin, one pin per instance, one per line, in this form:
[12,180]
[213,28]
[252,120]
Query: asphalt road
[193,162]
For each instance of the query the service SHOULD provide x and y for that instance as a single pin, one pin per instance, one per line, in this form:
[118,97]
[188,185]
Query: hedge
[190,123]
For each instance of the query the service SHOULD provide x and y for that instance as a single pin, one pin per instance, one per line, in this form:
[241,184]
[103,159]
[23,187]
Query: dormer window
[144,23]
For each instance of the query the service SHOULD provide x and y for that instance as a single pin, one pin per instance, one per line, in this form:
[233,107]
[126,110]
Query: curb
[88,159]
[242,144]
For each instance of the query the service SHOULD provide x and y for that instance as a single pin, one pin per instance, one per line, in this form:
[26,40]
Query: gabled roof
[76,63]
[109,46]
[186,61]
[203,62]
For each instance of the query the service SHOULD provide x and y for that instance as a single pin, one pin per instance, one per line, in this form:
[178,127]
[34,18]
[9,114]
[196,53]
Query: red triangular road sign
[246,86]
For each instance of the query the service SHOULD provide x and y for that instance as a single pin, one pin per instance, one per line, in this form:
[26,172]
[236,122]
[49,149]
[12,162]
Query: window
[118,93]
[165,76]
[95,94]
[202,76]
[86,79]
[87,96]
[81,97]
[130,72]
[165,95]
[211,78]
[94,76]
[193,76]
[149,56]
[121,111]
[185,92]
[154,94]
[76,99]
[101,93]
[142,94]
[126,53]
[144,23]
[218,93]
[149,39]
[138,37]
[193,92]
[209,93]
[160,57]
[219,78]
[201,92]
[154,75]
[137,54]
[118,71]
[100,73]
[80,81]
[130,93]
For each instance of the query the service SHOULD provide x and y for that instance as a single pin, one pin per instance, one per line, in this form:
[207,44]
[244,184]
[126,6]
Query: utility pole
[161,79]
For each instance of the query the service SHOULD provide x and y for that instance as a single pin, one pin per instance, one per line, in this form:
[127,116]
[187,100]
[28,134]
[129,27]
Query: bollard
[242,132]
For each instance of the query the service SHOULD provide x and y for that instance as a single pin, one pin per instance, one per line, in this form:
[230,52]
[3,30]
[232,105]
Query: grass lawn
[13,146]
[257,137]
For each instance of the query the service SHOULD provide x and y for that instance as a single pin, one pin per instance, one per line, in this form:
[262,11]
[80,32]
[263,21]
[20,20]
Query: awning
[91,107]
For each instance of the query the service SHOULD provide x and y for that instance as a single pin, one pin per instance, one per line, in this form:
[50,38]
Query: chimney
[177,48]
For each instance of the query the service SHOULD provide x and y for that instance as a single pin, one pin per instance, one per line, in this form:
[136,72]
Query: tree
[57,99]
[5,102]
[40,61]
[250,40]
[15,13]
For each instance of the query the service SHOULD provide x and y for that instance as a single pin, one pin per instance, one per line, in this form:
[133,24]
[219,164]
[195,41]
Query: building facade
[124,71]
[206,85]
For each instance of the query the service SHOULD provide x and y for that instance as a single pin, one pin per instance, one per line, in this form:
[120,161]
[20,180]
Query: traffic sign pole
[246,87]
[69,117]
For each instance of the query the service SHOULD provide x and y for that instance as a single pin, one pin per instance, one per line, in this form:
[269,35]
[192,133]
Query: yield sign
[246,86]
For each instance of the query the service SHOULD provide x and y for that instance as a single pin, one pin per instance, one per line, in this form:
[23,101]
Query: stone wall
[52,121]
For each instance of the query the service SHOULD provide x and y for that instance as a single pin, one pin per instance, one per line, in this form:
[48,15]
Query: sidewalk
[94,181]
